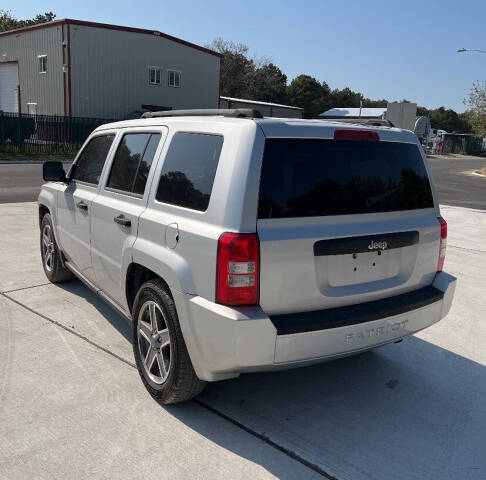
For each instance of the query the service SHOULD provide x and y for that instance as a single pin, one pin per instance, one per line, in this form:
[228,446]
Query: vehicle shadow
[412,410]
[115,320]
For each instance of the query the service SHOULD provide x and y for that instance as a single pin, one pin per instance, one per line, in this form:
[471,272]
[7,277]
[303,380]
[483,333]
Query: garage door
[9,81]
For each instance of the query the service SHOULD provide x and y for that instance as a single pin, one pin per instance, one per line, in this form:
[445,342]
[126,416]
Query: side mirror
[53,172]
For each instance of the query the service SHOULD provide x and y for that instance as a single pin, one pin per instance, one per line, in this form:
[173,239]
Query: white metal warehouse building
[85,69]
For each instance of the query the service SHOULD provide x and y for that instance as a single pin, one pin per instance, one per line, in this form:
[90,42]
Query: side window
[132,162]
[145,164]
[187,176]
[91,160]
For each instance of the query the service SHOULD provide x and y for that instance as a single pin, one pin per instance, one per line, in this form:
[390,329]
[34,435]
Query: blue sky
[385,49]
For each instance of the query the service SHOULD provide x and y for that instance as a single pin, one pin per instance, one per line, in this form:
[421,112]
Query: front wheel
[54,269]
[159,348]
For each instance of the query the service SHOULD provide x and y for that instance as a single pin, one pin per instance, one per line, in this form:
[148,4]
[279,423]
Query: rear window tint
[187,176]
[313,177]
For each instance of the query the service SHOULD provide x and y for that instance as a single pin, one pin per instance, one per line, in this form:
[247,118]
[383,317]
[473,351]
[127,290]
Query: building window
[32,108]
[42,63]
[154,75]
[174,78]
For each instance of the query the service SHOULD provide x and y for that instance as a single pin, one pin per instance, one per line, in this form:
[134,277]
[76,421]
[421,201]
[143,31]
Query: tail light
[237,269]
[350,134]
[443,243]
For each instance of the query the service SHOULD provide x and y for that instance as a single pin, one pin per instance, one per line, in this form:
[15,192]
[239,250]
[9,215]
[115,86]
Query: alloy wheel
[154,342]
[48,248]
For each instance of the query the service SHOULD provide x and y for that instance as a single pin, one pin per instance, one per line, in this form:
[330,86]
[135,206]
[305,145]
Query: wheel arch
[43,209]
[135,277]
[47,204]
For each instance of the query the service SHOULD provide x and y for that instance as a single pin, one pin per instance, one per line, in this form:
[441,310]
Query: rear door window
[89,164]
[314,177]
[132,162]
[189,169]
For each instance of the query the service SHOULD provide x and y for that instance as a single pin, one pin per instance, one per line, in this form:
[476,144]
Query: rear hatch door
[342,222]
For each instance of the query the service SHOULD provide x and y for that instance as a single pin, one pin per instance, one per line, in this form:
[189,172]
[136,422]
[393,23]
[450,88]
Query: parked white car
[238,244]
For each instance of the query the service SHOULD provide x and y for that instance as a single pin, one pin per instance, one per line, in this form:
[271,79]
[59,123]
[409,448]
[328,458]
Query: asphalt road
[454,187]
[21,183]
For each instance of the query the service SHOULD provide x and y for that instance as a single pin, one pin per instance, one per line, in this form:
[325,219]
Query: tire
[158,346]
[51,256]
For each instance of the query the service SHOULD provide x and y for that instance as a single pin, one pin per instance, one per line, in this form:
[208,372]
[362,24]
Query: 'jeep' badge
[377,245]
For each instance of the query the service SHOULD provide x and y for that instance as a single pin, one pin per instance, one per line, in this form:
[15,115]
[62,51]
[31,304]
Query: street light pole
[470,50]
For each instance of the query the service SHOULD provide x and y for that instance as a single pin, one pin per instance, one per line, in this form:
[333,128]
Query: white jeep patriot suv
[237,243]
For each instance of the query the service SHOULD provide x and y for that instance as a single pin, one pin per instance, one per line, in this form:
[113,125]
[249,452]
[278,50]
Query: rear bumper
[224,342]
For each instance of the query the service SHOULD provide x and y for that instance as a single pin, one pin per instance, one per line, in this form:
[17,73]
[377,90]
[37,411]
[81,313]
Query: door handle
[81,205]
[121,220]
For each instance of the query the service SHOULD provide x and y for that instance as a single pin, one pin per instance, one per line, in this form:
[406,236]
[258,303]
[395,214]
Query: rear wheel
[159,348]
[54,268]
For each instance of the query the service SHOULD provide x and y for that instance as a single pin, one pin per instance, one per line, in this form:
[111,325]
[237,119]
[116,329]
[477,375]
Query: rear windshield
[313,177]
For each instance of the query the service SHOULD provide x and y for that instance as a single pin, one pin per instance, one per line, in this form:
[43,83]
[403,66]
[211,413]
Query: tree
[476,115]
[422,111]
[367,102]
[447,119]
[268,84]
[256,79]
[326,97]
[245,77]
[236,68]
[306,92]
[9,22]
[346,98]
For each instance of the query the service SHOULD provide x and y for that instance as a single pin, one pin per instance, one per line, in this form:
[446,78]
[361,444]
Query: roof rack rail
[224,112]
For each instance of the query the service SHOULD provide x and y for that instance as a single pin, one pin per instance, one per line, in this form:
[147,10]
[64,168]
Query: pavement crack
[468,249]
[260,436]
[264,438]
[26,288]
[82,337]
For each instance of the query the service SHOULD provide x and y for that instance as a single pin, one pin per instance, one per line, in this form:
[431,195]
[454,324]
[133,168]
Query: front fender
[48,198]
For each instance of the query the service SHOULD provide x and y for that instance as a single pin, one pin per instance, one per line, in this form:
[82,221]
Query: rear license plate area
[357,260]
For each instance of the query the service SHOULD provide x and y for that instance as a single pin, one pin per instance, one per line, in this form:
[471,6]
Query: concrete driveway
[72,405]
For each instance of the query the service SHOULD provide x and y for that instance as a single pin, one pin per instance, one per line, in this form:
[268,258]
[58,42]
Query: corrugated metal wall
[45,89]
[109,73]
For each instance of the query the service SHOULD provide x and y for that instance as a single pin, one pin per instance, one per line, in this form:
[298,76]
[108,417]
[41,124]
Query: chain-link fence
[44,134]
